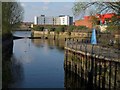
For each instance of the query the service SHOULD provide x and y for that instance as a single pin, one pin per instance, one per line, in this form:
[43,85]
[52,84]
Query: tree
[100,7]
[62,28]
[38,28]
[94,20]
[52,29]
[12,16]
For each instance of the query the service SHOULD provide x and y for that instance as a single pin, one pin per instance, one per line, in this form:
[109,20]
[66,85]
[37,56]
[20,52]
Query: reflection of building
[87,20]
[61,20]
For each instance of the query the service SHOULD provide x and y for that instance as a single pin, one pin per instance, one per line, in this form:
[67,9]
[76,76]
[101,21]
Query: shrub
[38,28]
[71,28]
[52,29]
[61,28]
[82,28]
[112,29]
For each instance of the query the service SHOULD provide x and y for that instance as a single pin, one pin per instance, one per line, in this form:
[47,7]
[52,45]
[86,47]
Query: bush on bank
[113,29]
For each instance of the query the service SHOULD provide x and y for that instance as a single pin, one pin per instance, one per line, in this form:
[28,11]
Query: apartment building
[41,20]
[35,20]
[66,20]
[49,20]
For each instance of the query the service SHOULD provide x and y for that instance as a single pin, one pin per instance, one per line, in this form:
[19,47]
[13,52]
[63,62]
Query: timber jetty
[99,68]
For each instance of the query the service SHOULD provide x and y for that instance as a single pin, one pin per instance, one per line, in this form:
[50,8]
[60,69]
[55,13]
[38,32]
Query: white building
[56,21]
[65,20]
[49,20]
[61,20]
[35,20]
[41,20]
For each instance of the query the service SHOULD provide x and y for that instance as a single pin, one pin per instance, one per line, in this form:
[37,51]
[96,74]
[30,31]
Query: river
[36,63]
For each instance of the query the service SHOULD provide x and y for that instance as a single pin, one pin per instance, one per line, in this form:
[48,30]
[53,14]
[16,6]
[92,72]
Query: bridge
[98,66]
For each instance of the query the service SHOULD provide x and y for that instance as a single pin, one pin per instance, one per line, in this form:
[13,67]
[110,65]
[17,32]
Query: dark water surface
[37,64]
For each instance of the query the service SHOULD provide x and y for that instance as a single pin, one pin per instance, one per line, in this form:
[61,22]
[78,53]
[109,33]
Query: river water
[37,63]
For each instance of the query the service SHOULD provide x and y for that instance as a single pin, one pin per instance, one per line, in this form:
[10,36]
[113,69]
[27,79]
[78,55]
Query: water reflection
[35,64]
[17,71]
[59,44]
[12,71]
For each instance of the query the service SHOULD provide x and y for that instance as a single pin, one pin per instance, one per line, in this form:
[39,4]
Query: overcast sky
[32,9]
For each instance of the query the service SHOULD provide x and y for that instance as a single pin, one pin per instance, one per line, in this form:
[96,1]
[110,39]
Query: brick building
[86,21]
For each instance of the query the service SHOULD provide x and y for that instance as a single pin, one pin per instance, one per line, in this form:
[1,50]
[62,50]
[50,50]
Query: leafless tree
[12,15]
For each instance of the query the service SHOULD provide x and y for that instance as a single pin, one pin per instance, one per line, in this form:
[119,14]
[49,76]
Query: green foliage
[82,28]
[38,28]
[71,28]
[61,28]
[52,29]
[113,28]
[57,31]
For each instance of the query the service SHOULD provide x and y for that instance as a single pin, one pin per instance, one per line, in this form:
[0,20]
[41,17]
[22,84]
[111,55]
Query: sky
[49,8]
[32,9]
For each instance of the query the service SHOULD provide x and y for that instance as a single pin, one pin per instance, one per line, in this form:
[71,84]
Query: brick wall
[84,22]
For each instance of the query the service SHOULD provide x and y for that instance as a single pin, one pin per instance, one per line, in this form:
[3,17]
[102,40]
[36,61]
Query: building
[35,20]
[66,20]
[49,20]
[86,21]
[56,21]
[83,22]
[41,20]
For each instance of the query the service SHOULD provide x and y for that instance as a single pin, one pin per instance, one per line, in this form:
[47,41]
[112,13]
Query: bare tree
[12,15]
[98,7]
